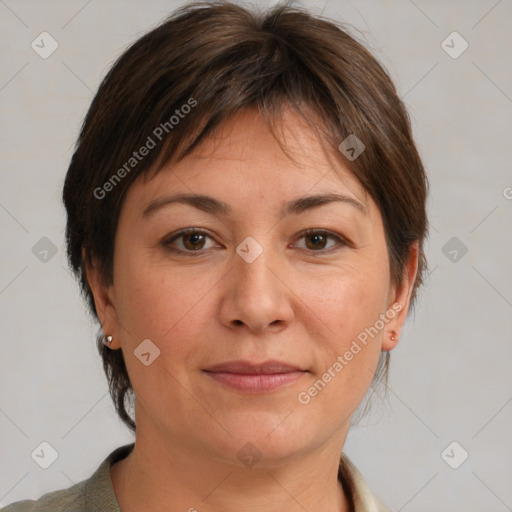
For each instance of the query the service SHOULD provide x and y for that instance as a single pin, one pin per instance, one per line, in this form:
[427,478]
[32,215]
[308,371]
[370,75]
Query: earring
[107,340]
[393,336]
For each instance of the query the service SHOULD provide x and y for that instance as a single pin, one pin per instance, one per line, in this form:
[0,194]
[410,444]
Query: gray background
[451,376]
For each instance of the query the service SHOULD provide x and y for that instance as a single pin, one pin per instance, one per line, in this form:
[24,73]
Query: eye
[192,240]
[316,239]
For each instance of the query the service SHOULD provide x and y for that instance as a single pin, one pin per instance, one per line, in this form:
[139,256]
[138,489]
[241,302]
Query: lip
[248,367]
[255,377]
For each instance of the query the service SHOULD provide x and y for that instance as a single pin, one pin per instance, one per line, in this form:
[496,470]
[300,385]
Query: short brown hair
[218,58]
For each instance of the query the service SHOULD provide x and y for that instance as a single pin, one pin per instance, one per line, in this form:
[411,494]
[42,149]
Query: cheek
[349,300]
[163,304]
[173,310]
[347,312]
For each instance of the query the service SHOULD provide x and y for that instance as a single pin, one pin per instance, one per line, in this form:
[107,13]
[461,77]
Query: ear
[399,300]
[103,300]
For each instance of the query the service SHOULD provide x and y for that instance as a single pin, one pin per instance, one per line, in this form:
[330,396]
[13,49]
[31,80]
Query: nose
[255,295]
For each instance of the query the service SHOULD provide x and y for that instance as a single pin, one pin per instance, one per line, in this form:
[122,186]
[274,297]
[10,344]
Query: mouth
[255,378]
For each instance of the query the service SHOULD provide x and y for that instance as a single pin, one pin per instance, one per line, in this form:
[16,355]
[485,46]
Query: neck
[167,477]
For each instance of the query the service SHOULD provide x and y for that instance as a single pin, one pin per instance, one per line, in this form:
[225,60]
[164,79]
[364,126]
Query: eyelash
[309,232]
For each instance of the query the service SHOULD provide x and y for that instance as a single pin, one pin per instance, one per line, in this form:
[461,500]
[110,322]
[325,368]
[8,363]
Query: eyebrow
[214,206]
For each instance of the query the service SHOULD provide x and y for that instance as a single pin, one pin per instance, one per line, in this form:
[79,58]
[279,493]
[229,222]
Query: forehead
[243,158]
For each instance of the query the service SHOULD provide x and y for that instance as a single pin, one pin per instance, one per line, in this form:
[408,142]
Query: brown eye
[189,241]
[193,241]
[316,240]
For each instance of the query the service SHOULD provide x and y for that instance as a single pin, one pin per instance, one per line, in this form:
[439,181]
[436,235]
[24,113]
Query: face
[256,316]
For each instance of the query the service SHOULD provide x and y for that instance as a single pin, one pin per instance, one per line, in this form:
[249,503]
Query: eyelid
[167,240]
[341,240]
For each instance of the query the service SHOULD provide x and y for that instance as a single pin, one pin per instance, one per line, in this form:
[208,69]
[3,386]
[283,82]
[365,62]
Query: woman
[246,216]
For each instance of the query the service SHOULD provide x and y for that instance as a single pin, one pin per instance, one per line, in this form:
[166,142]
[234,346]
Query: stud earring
[107,340]
[393,336]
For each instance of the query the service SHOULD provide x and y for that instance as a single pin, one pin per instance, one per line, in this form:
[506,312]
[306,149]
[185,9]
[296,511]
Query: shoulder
[95,493]
[63,500]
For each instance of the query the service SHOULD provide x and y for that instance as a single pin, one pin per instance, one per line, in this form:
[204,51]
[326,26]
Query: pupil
[195,239]
[318,239]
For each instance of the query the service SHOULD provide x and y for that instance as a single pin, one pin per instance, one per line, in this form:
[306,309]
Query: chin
[265,439]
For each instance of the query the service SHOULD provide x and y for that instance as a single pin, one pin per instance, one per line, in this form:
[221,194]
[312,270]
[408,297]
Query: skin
[302,301]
